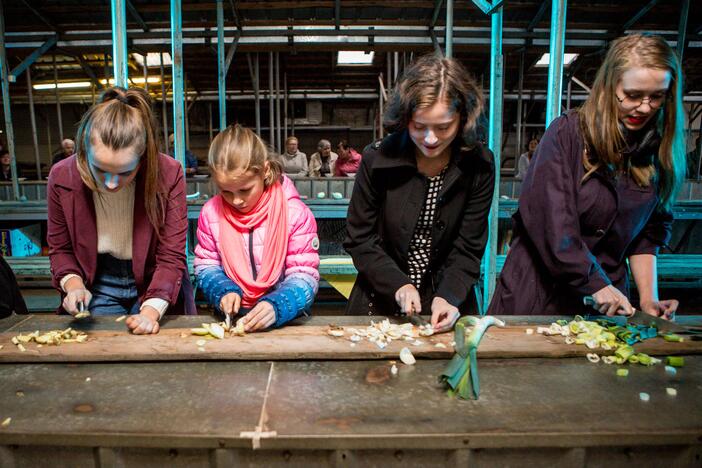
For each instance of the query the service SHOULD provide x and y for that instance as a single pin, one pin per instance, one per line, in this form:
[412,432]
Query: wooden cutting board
[303,342]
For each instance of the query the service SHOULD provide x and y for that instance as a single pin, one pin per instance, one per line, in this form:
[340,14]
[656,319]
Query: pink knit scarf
[271,207]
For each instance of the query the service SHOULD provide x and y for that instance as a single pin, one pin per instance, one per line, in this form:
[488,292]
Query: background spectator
[322,162]
[294,161]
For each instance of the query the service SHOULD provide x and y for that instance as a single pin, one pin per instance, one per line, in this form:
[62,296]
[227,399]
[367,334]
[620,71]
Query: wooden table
[204,411]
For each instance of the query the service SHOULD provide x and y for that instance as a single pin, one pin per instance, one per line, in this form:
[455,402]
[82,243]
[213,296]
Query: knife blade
[640,317]
[83,313]
[418,320]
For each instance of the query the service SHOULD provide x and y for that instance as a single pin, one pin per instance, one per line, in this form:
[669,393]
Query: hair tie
[123,99]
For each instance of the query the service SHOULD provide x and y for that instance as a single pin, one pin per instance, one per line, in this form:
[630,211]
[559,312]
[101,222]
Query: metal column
[33,120]
[178,82]
[221,69]
[164,109]
[555,63]
[495,144]
[58,101]
[279,145]
[4,73]
[682,27]
[520,108]
[119,42]
[285,105]
[253,71]
[449,29]
[271,117]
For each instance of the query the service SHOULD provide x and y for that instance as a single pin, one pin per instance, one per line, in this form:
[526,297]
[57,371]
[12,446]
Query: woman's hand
[407,297]
[665,309]
[610,301]
[443,315]
[145,323]
[260,317]
[75,293]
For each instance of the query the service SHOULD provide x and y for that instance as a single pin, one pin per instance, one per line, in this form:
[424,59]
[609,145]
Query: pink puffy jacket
[303,243]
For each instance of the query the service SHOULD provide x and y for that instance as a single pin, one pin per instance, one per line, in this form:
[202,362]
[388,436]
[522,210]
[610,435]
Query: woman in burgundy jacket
[118,217]
[599,191]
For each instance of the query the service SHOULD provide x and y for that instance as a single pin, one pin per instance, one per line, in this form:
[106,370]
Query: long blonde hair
[123,118]
[238,149]
[599,119]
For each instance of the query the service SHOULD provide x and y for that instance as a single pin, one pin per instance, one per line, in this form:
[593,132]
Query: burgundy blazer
[159,265]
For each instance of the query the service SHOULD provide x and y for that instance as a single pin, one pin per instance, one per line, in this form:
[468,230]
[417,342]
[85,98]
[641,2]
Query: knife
[82,312]
[419,321]
[640,317]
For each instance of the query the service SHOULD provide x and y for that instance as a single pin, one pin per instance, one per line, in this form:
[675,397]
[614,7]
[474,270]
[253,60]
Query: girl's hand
[260,317]
[73,297]
[145,323]
[611,301]
[230,304]
[665,309]
[407,297]
[443,315]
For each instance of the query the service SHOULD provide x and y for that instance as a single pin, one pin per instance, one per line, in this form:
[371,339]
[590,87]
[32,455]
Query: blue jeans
[114,290]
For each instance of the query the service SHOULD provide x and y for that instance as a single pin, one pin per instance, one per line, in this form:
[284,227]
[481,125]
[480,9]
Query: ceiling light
[355,57]
[135,80]
[153,59]
[567,59]
[70,84]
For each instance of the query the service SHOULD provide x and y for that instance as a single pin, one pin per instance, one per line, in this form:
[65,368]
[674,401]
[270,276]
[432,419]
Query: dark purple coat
[571,239]
[159,264]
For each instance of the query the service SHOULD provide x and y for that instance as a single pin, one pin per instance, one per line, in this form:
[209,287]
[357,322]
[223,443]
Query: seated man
[190,158]
[294,161]
[322,162]
[68,147]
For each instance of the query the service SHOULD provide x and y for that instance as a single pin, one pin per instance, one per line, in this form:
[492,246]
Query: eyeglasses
[630,102]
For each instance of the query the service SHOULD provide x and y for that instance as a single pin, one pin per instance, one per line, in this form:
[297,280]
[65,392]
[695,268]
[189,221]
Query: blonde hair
[429,79]
[238,149]
[123,118]
[599,116]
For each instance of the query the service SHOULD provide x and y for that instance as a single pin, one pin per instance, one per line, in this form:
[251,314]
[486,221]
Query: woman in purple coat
[599,192]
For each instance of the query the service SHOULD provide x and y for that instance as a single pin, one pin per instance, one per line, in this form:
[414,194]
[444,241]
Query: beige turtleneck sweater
[114,217]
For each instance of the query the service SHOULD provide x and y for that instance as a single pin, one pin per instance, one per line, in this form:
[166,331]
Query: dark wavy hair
[426,81]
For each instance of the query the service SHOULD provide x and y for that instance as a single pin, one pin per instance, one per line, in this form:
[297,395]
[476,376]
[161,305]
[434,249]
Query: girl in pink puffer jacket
[257,241]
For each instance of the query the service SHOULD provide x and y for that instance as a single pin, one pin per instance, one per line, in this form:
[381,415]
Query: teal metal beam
[6,105]
[495,144]
[484,5]
[682,27]
[448,46]
[137,17]
[437,10]
[178,82]
[555,63]
[31,58]
[639,14]
[119,42]
[221,68]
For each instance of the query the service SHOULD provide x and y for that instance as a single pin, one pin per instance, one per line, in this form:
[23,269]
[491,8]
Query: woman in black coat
[417,220]
[599,192]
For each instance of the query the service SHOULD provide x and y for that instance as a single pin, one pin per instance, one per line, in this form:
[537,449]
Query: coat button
[600,232]
[372,294]
[440,225]
[370,304]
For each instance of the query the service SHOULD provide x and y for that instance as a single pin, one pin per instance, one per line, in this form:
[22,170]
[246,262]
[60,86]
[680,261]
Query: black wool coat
[387,200]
